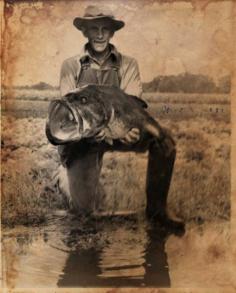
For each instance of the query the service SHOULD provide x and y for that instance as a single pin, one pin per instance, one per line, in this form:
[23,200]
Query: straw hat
[97,12]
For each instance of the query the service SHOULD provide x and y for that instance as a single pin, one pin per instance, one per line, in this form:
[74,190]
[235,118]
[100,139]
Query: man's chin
[99,47]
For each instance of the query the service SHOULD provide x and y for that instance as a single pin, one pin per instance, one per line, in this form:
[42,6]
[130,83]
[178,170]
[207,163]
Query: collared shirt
[130,81]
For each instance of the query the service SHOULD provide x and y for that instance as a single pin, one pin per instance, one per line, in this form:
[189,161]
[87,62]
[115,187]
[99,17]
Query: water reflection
[134,257]
[109,254]
[156,266]
[81,269]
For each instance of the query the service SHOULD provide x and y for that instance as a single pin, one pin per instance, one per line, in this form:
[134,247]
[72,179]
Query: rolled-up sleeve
[130,77]
[69,71]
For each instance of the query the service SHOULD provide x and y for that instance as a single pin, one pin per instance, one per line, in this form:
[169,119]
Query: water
[102,253]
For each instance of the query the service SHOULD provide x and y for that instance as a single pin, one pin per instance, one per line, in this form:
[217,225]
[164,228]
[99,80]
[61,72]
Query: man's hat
[96,12]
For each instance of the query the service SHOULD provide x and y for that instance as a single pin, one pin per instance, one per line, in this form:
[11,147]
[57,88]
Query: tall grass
[31,94]
[48,95]
[200,190]
[184,98]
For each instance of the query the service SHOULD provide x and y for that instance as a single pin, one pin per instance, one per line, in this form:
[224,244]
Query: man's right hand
[100,136]
[131,137]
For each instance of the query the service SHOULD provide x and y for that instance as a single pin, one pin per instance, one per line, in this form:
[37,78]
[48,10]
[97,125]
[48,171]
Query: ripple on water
[132,256]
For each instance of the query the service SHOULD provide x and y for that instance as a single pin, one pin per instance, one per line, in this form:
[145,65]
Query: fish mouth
[64,123]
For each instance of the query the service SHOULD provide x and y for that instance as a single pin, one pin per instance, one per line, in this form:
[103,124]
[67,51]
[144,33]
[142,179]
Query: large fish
[85,112]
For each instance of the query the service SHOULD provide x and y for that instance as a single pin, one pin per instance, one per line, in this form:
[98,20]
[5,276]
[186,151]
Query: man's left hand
[131,137]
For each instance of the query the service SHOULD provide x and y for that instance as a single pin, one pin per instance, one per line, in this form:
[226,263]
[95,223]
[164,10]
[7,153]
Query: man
[101,63]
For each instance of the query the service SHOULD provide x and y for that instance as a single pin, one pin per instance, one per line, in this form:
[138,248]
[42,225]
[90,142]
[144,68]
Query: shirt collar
[85,56]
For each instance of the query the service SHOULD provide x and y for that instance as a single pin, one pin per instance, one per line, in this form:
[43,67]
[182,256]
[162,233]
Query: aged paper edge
[233,200]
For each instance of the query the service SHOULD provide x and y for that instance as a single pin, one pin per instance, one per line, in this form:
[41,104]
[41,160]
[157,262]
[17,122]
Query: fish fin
[154,128]
[140,101]
[109,140]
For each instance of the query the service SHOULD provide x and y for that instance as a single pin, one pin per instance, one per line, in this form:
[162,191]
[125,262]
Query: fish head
[80,114]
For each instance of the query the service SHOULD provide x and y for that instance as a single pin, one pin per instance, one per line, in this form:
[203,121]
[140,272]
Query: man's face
[99,33]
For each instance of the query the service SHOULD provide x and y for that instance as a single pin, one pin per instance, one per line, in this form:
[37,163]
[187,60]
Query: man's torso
[117,69]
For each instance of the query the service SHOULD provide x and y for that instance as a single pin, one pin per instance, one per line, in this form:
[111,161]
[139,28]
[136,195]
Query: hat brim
[82,22]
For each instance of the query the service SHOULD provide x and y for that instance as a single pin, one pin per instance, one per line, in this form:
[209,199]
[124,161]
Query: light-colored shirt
[130,81]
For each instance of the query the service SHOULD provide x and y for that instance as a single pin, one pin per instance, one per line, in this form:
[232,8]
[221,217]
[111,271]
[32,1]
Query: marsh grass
[200,189]
[176,98]
[28,195]
[156,97]
[31,94]
[21,200]
[178,106]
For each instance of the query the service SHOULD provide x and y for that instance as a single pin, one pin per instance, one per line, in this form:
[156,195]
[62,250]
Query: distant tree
[186,83]
[169,84]
[197,83]
[38,86]
[224,85]
[25,87]
[42,86]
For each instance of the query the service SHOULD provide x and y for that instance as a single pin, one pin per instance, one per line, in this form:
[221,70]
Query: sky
[165,38]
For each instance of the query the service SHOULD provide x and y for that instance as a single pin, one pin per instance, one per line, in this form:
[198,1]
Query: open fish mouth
[64,122]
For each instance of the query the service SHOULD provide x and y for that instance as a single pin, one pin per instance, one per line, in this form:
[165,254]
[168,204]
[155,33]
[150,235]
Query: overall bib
[84,161]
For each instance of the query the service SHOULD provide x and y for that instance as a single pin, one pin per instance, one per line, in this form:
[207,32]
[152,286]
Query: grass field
[200,190]
[48,95]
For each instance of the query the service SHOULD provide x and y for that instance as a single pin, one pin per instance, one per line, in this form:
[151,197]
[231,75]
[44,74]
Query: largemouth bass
[84,113]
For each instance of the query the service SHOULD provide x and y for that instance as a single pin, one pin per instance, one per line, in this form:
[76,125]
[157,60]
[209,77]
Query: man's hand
[100,136]
[131,137]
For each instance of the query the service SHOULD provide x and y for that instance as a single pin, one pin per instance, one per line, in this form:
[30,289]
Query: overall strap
[117,66]
[85,63]
[87,72]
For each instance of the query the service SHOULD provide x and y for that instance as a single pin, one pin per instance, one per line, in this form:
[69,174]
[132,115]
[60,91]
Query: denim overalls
[83,161]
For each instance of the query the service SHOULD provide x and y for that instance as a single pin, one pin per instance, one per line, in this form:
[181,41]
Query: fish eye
[83,100]
[70,116]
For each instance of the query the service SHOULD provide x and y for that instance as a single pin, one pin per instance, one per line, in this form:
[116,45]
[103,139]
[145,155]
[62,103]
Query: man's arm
[130,77]
[132,85]
[69,70]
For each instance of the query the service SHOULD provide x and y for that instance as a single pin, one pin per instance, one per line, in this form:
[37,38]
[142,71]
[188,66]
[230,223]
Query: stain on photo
[116,145]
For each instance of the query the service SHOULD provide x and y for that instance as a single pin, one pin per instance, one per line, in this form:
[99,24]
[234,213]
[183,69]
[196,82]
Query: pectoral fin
[109,140]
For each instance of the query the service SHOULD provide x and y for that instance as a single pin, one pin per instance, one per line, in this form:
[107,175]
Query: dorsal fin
[140,101]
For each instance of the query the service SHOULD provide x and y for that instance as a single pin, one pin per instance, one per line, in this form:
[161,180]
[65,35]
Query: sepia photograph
[117,146]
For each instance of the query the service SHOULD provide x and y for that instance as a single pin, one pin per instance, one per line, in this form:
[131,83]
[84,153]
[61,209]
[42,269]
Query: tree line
[182,83]
[188,83]
[38,86]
